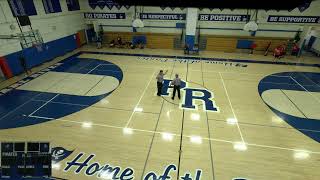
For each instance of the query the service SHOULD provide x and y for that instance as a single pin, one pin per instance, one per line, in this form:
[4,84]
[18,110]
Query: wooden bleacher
[229,43]
[214,42]
[221,43]
[154,40]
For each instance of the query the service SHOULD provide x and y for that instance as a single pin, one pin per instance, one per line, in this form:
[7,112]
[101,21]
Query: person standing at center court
[176,83]
[160,81]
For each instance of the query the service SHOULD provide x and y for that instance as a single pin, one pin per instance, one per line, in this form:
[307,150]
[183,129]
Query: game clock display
[21,160]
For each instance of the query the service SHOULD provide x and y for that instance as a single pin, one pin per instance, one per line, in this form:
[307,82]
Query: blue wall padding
[50,50]
[180,25]
[139,40]
[190,41]
[244,44]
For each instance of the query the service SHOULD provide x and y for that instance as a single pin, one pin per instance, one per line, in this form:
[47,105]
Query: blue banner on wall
[51,6]
[224,17]
[294,19]
[162,16]
[73,5]
[22,7]
[104,15]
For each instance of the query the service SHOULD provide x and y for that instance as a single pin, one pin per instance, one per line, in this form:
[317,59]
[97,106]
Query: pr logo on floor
[191,95]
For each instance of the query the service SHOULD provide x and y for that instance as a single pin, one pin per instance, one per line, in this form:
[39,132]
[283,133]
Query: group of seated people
[118,43]
[281,50]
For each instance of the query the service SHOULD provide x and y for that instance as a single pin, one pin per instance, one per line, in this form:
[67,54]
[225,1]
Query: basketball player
[176,83]
[160,81]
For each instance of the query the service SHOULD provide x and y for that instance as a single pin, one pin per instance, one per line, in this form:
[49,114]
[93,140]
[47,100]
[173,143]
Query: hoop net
[31,38]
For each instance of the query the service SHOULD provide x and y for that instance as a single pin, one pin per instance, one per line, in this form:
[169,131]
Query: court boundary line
[181,133]
[283,83]
[269,126]
[18,107]
[43,105]
[100,70]
[94,106]
[310,80]
[156,127]
[202,59]
[57,94]
[246,143]
[31,99]
[76,53]
[253,74]
[234,115]
[151,144]
[294,104]
[85,94]
[208,128]
[45,72]
[177,135]
[145,89]
[306,90]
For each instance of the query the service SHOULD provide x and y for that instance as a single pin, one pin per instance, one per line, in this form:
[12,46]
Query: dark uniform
[176,82]
[160,82]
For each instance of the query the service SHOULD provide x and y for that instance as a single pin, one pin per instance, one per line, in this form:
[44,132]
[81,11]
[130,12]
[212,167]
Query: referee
[160,81]
[176,83]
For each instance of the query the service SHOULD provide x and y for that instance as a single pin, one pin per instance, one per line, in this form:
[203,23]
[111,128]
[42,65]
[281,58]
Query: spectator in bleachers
[99,42]
[131,46]
[140,45]
[119,42]
[112,44]
[253,47]
[279,51]
[295,50]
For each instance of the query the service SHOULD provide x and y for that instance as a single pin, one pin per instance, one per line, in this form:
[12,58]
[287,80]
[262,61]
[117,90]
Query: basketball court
[100,108]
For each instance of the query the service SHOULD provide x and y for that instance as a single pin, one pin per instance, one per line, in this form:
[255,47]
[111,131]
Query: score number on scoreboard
[25,159]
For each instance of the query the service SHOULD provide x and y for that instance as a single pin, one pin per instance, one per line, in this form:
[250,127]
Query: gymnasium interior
[156,90]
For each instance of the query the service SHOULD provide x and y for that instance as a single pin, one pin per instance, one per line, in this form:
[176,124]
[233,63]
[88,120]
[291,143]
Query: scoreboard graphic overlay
[21,160]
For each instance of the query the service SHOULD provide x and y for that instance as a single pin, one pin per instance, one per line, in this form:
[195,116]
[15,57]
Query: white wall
[312,31]
[316,46]
[57,25]
[130,17]
[51,26]
[313,10]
